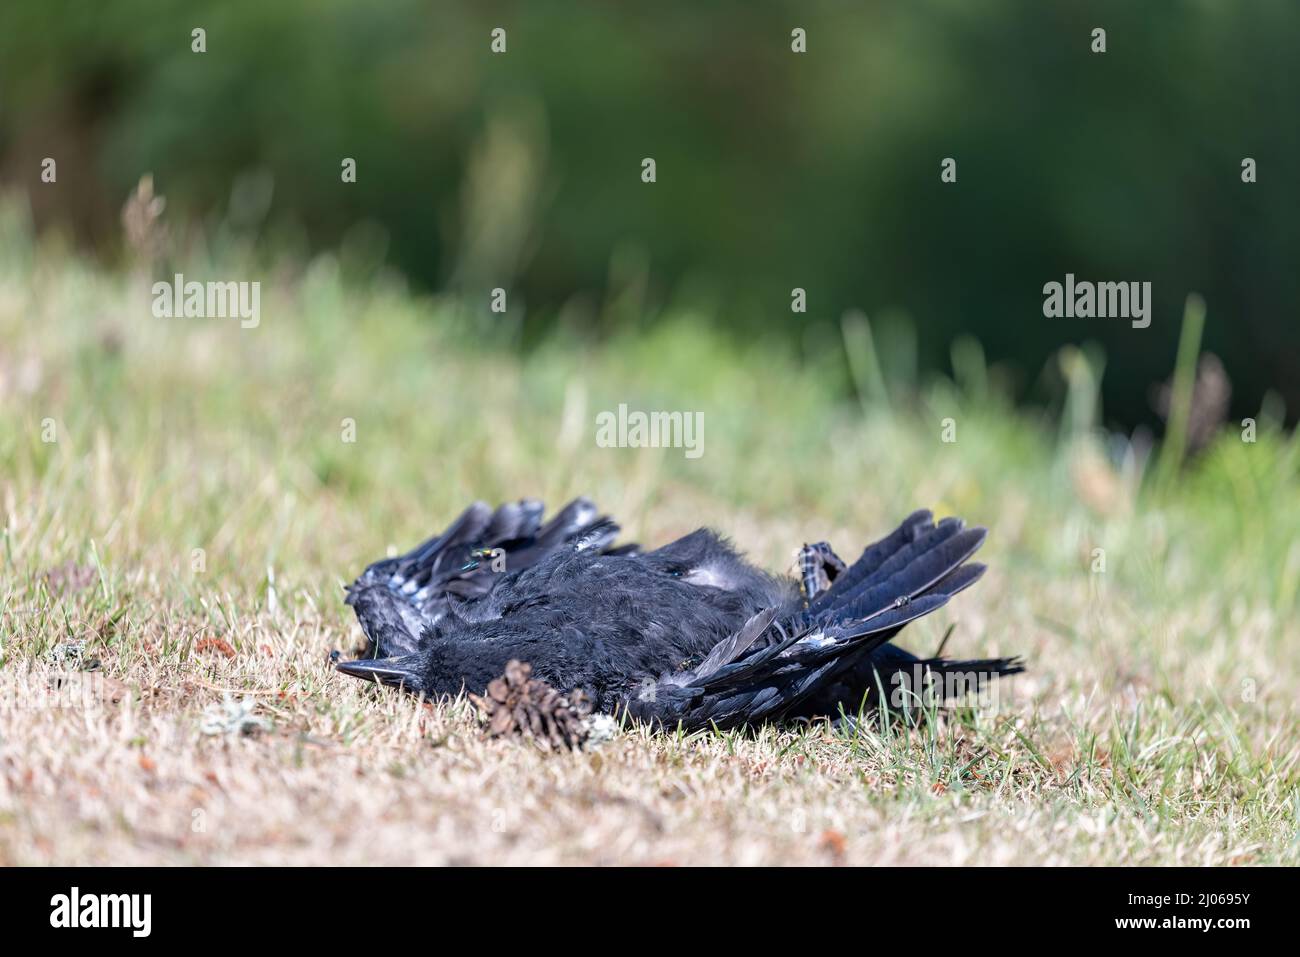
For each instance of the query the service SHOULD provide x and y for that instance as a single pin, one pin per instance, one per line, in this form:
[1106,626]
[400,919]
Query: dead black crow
[688,634]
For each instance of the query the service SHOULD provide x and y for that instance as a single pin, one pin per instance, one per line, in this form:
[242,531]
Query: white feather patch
[711,577]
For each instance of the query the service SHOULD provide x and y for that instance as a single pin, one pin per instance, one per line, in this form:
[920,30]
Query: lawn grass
[198,472]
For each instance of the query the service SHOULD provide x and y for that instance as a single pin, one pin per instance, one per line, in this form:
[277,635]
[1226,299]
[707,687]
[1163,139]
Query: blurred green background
[775,170]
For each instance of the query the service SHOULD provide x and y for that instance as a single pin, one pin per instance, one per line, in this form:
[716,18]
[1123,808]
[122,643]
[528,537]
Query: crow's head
[389,622]
[403,671]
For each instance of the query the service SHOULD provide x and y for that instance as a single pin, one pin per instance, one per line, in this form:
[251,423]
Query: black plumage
[686,634]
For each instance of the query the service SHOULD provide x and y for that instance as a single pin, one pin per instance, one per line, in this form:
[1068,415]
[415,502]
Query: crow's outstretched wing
[396,599]
[784,659]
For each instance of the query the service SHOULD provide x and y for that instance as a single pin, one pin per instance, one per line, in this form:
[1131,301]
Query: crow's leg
[818,567]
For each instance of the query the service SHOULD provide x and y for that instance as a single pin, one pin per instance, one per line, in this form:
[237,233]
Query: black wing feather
[778,663]
[397,599]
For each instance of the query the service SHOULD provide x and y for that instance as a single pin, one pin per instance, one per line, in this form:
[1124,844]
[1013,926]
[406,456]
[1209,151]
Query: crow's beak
[402,671]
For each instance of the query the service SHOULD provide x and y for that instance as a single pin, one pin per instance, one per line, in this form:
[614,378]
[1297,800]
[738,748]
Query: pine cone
[518,703]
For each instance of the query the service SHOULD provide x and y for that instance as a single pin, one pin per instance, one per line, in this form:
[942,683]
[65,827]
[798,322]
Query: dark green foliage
[775,170]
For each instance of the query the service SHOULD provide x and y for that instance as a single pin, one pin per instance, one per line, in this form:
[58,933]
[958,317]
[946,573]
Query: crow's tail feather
[835,650]
[996,667]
